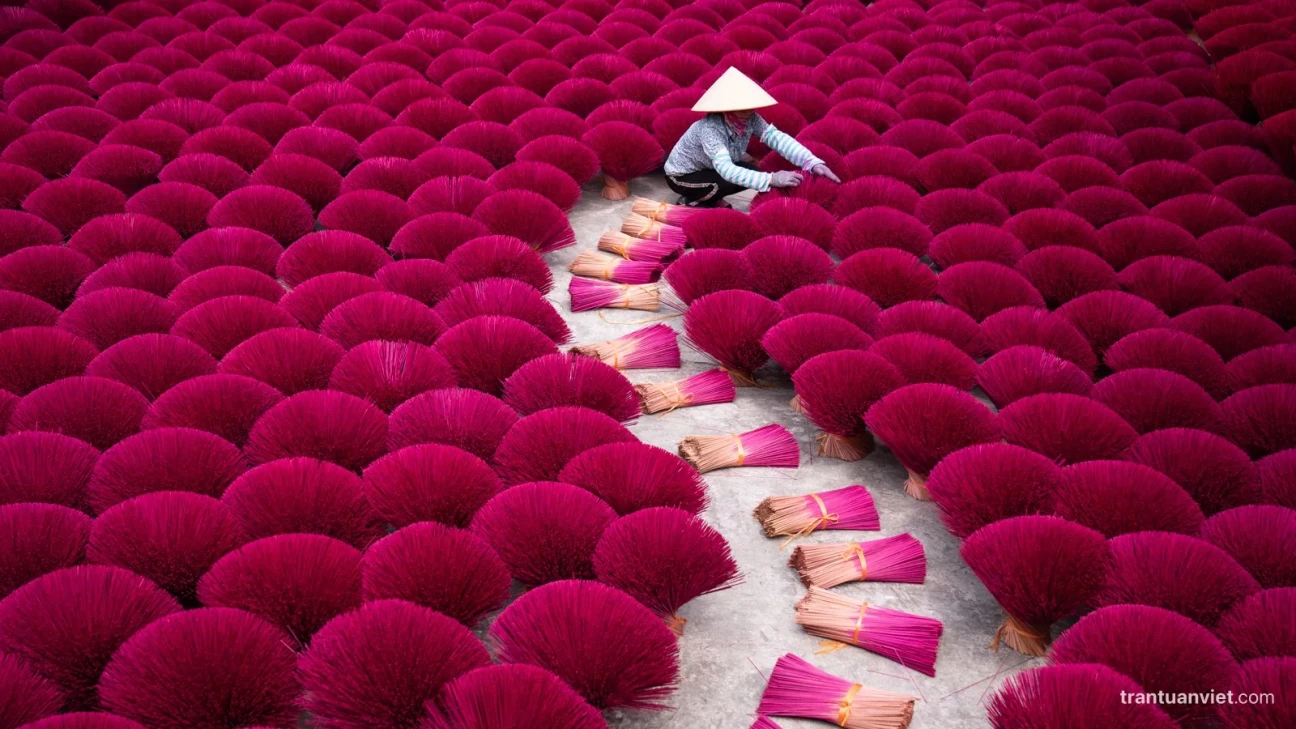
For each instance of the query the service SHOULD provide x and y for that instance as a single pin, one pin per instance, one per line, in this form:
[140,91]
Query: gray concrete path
[734,637]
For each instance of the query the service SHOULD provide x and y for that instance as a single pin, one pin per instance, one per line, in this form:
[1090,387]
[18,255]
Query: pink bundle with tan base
[587,295]
[771,445]
[648,348]
[910,640]
[798,689]
[638,249]
[894,559]
[649,229]
[710,387]
[662,212]
[618,270]
[792,516]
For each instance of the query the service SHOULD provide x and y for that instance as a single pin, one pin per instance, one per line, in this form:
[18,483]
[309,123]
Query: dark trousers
[705,188]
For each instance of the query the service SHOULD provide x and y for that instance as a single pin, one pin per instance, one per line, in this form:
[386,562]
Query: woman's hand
[783,178]
[823,171]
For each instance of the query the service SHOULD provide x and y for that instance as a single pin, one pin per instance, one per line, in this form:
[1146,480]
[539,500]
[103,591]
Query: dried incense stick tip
[850,507]
[845,447]
[587,295]
[874,709]
[798,689]
[591,265]
[1026,639]
[910,640]
[916,486]
[712,386]
[771,445]
[795,404]
[614,189]
[741,378]
[676,624]
[652,347]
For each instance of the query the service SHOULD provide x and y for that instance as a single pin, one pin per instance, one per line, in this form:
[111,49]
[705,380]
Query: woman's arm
[788,148]
[723,163]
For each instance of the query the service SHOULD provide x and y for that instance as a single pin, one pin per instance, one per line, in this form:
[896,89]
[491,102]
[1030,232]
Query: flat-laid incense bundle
[772,445]
[850,507]
[894,559]
[910,640]
[653,347]
[589,294]
[638,249]
[707,388]
[647,228]
[662,212]
[798,689]
[591,264]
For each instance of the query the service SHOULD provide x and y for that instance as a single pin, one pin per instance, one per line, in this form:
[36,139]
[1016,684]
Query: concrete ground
[734,637]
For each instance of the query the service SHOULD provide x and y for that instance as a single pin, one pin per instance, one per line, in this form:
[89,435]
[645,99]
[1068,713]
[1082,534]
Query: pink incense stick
[894,559]
[850,507]
[910,640]
[647,228]
[653,347]
[589,294]
[796,688]
[662,212]
[764,722]
[592,264]
[707,388]
[772,445]
[638,249]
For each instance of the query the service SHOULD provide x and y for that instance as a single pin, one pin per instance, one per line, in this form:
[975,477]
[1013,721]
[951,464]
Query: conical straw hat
[733,91]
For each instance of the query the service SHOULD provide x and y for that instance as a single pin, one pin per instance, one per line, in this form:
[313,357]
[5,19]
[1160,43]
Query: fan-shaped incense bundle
[797,688]
[771,445]
[894,559]
[649,348]
[910,640]
[642,227]
[587,295]
[707,388]
[662,212]
[637,249]
[618,270]
[850,507]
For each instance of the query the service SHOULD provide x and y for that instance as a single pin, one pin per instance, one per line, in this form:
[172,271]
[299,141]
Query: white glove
[784,178]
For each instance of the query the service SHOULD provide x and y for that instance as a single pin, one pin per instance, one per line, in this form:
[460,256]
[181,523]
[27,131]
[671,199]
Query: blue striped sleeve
[723,163]
[788,148]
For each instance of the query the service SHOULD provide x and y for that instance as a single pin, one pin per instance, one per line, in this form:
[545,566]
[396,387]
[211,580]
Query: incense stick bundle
[796,688]
[850,507]
[708,388]
[641,227]
[910,640]
[764,722]
[587,295]
[653,347]
[894,559]
[638,249]
[771,445]
[591,264]
[662,212]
